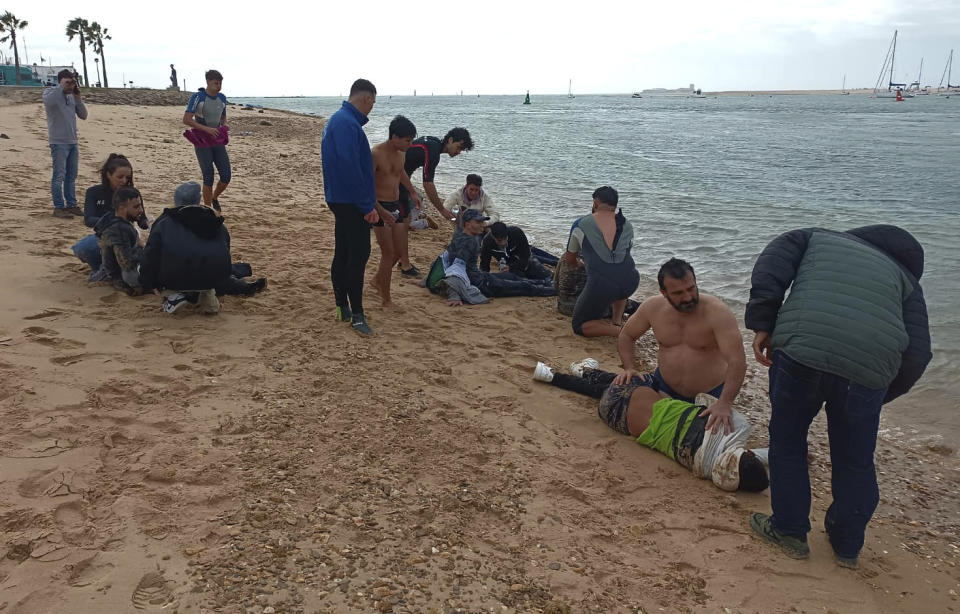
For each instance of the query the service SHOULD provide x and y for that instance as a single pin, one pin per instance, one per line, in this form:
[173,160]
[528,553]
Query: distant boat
[947,73]
[527,99]
[843,88]
[570,90]
[894,90]
[915,86]
[636,95]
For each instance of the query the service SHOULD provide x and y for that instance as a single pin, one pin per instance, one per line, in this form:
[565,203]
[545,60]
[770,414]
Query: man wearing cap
[467,283]
[188,249]
[508,246]
[673,427]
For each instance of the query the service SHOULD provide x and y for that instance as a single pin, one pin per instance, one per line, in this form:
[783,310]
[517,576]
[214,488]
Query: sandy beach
[268,459]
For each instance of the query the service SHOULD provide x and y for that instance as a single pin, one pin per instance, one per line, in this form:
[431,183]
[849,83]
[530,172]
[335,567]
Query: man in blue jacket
[351,194]
[852,335]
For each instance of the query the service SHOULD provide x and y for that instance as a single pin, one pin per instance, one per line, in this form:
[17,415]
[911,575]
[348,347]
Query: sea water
[713,180]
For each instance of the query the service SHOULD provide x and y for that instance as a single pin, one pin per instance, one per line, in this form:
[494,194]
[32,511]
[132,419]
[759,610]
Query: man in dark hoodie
[852,335]
[188,249]
[120,249]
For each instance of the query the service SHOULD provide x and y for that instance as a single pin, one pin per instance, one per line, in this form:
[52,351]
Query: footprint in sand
[46,313]
[50,338]
[153,592]
[54,482]
[70,359]
[88,571]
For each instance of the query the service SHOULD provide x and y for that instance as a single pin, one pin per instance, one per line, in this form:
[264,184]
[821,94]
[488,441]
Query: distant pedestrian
[64,104]
[207,113]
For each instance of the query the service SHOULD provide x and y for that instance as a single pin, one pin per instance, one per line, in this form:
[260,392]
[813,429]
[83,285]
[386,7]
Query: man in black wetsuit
[425,152]
[508,246]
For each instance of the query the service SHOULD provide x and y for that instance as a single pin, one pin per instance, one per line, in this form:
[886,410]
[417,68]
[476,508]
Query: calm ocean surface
[713,180]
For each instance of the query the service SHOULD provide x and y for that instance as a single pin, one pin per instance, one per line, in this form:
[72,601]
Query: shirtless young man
[388,175]
[701,349]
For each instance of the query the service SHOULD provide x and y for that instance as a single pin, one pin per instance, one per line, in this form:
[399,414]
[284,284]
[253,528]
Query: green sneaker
[791,546]
[343,314]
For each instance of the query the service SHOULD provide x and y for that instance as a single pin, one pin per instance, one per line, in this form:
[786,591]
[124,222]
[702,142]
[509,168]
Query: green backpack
[435,275]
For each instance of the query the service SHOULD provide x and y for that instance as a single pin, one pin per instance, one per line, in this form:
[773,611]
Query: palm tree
[97,36]
[80,28]
[9,25]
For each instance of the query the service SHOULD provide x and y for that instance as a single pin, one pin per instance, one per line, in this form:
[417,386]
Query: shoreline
[268,456]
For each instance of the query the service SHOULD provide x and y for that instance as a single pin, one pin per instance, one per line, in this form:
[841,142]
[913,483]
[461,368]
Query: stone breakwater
[146,97]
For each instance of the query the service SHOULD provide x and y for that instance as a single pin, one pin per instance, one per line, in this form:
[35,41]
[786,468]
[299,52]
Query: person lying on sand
[464,282]
[675,428]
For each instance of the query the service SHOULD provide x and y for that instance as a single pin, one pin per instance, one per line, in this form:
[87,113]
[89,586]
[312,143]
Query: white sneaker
[543,373]
[587,363]
[174,302]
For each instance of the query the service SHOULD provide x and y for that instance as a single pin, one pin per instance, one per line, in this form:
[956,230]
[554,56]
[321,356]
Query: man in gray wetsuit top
[601,242]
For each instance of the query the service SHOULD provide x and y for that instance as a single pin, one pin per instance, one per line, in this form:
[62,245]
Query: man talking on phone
[64,104]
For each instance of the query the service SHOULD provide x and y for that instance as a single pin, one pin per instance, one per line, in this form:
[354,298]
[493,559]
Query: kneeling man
[701,349]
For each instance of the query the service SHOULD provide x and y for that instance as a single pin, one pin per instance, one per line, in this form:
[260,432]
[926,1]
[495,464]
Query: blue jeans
[853,417]
[87,250]
[208,157]
[660,385]
[63,184]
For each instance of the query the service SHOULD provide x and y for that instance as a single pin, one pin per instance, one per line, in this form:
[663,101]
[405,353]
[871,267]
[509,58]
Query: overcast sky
[282,48]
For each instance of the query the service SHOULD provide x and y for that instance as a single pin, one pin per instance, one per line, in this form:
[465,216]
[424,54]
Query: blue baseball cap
[473,214]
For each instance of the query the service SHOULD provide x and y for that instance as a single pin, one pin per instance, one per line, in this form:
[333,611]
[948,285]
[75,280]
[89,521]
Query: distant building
[683,91]
[8,76]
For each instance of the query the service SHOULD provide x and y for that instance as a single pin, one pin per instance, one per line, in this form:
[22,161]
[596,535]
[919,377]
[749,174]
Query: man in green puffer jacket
[852,335]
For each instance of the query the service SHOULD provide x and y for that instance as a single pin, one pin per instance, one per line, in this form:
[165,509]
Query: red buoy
[899,96]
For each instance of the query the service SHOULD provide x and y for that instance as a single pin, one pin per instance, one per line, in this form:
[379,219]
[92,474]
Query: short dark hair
[402,127]
[474,179]
[607,195]
[66,73]
[213,75]
[753,475]
[498,230]
[362,85]
[676,269]
[459,135]
[123,194]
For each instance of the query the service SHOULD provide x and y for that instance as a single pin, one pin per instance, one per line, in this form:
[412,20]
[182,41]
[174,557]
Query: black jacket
[777,267]
[119,245]
[516,252]
[98,202]
[188,249]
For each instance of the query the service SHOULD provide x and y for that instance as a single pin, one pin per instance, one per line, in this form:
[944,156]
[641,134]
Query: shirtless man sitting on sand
[701,350]
[388,174]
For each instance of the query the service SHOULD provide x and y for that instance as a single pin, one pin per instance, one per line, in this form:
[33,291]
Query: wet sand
[268,457]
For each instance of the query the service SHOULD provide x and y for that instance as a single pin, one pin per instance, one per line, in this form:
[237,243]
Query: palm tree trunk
[83,52]
[16,54]
[103,61]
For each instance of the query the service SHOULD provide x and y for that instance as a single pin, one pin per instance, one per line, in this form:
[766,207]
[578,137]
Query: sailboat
[915,86]
[948,73]
[894,90]
[570,90]
[843,88]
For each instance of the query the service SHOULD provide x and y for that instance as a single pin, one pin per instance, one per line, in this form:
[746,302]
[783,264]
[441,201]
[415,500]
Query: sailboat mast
[949,68]
[892,58]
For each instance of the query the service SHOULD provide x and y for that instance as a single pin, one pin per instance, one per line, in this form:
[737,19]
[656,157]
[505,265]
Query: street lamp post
[97,62]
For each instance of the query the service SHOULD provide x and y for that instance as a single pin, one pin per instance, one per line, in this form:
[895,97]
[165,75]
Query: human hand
[447,214]
[625,376]
[505,268]
[372,218]
[157,292]
[721,415]
[215,132]
[454,303]
[761,347]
